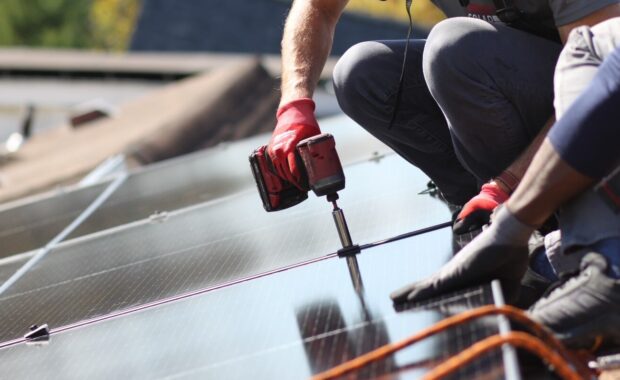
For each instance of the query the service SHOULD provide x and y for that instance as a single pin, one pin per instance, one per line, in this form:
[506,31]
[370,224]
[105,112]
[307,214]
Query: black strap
[506,11]
[509,14]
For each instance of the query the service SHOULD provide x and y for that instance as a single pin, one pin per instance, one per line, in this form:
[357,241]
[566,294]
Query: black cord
[401,81]
[355,249]
[406,235]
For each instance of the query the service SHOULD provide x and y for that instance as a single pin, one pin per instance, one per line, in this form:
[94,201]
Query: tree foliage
[108,24]
[59,23]
[113,22]
[98,24]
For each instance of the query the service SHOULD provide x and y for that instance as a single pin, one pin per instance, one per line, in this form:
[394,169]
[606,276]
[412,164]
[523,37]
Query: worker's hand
[499,252]
[296,121]
[477,211]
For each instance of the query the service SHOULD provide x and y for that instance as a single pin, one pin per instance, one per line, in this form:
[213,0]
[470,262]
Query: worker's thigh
[495,86]
[366,82]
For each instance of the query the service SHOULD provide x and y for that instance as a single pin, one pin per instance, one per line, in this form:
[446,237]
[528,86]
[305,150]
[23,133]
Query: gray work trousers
[585,220]
[474,96]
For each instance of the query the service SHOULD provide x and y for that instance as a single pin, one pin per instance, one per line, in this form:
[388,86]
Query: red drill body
[276,193]
[321,172]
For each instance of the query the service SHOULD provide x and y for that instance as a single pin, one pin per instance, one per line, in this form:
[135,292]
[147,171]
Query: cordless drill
[321,172]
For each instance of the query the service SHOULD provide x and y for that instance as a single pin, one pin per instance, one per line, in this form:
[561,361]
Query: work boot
[533,286]
[535,281]
[584,310]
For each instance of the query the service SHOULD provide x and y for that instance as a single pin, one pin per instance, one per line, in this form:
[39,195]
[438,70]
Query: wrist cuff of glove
[305,106]
[297,113]
[508,181]
[506,225]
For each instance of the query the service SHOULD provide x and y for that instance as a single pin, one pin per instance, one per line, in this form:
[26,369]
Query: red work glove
[296,121]
[477,211]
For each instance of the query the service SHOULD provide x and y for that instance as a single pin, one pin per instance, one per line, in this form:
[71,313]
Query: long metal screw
[345,239]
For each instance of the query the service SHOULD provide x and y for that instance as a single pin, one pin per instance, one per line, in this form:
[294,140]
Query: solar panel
[210,244]
[285,325]
[28,225]
[174,184]
[221,289]
[11,265]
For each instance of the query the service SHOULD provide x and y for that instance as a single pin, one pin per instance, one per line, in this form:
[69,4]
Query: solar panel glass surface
[166,186]
[210,244]
[284,325]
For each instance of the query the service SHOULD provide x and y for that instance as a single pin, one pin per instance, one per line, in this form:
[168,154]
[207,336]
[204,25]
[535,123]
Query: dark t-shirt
[542,15]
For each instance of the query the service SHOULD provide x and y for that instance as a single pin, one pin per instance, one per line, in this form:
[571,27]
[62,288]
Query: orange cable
[388,349]
[517,339]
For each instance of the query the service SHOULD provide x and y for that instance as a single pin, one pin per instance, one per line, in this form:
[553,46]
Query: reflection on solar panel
[209,244]
[168,186]
[10,266]
[224,290]
[286,325]
[31,225]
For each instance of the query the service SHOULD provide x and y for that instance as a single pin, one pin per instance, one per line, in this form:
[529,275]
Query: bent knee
[354,74]
[451,51]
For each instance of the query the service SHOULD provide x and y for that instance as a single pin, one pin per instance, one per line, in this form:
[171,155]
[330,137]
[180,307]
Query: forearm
[548,183]
[306,44]
[520,165]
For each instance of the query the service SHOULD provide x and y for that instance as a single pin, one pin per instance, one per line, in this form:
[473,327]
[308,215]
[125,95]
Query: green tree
[52,23]
[113,22]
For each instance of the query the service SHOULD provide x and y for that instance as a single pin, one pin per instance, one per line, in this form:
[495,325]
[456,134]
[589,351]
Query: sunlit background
[72,67]
[109,24]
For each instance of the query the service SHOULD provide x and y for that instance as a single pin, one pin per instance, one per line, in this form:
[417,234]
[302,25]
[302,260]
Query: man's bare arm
[520,165]
[548,183]
[307,42]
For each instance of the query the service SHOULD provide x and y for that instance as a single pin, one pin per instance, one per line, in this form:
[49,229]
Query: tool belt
[609,190]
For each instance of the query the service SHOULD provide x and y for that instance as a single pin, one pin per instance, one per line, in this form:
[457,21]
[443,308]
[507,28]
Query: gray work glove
[499,252]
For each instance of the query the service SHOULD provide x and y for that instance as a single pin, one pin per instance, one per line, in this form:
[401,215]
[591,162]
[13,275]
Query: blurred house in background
[189,80]
[250,27]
